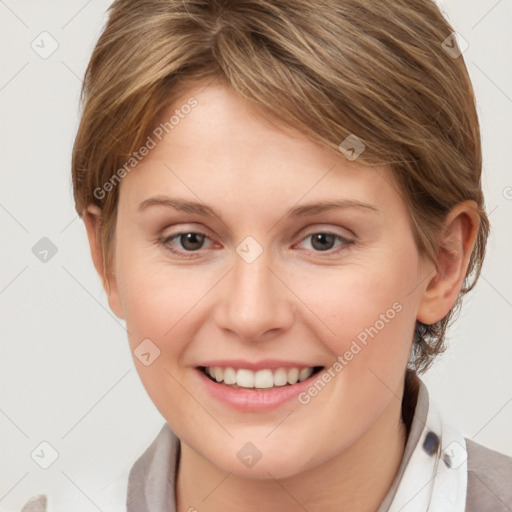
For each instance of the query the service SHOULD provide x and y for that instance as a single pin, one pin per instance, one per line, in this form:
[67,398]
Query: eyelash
[191,254]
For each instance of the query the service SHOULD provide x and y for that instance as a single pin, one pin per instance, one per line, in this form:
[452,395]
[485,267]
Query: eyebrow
[298,211]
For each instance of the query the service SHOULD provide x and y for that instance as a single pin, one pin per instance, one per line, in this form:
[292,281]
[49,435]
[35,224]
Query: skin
[295,302]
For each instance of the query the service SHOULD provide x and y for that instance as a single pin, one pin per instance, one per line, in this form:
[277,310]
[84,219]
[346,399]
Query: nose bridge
[255,301]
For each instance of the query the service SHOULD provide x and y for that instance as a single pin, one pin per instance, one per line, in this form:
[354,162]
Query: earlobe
[92,218]
[456,243]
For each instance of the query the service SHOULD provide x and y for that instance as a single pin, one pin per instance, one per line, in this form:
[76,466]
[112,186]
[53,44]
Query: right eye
[191,241]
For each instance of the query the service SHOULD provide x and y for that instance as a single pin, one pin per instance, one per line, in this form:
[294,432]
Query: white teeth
[280,377]
[245,378]
[262,379]
[293,375]
[305,373]
[229,376]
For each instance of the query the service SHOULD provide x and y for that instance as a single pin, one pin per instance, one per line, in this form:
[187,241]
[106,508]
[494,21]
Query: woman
[283,200]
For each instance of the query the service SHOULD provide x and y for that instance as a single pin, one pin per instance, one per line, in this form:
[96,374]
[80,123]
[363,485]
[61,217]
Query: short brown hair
[331,68]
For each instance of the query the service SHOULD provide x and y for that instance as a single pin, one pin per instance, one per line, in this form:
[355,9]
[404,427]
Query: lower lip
[252,400]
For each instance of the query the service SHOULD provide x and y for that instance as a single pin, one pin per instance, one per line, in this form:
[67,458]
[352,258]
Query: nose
[255,302]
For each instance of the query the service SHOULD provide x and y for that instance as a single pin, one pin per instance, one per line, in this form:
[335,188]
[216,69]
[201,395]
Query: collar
[432,475]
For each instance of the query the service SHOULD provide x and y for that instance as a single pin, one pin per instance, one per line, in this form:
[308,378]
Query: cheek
[362,302]
[154,309]
[371,312]
[153,301]
[165,303]
[155,306]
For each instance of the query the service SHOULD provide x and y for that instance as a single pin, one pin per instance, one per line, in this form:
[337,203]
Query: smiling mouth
[266,379]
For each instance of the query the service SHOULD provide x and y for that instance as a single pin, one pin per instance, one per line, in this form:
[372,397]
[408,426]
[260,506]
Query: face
[257,287]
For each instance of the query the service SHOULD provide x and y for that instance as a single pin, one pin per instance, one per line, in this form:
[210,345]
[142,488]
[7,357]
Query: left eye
[323,241]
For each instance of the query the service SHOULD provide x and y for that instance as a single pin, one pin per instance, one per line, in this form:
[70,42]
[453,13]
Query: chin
[261,461]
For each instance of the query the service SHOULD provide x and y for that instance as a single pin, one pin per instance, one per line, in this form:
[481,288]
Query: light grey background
[67,376]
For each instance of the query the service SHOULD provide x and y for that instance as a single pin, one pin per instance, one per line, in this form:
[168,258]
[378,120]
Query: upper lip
[255,365]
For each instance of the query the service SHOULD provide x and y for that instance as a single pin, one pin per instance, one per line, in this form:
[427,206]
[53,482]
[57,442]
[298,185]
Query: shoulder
[146,485]
[36,504]
[151,479]
[111,498]
[489,479]
[160,455]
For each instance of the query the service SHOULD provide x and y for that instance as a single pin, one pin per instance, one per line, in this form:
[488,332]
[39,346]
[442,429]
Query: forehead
[225,152]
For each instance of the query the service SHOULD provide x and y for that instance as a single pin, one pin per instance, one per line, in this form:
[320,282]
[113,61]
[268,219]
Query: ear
[456,243]
[92,219]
